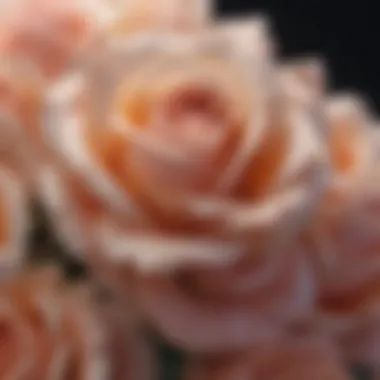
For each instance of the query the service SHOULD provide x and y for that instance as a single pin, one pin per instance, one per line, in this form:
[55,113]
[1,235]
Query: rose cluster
[220,196]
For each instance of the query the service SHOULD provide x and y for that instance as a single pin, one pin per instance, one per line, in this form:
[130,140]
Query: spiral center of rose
[194,116]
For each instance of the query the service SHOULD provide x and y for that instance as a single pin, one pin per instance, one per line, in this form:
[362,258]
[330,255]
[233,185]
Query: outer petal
[219,310]
[20,112]
[14,221]
[282,360]
[351,149]
[137,15]
[52,35]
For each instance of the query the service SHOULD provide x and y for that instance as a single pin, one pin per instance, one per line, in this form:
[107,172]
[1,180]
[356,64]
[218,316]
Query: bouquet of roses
[219,196]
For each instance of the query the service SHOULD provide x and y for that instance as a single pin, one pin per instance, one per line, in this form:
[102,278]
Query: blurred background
[344,32]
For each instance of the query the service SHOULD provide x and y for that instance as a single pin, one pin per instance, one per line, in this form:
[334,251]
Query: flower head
[48,34]
[345,232]
[49,331]
[189,148]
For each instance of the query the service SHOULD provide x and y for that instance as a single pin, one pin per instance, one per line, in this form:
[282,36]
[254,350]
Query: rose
[345,233]
[345,229]
[183,149]
[50,34]
[54,35]
[291,358]
[347,248]
[40,39]
[53,331]
[13,218]
[347,245]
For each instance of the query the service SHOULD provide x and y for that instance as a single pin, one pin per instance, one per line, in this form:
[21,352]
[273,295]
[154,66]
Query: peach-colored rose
[345,233]
[51,34]
[52,331]
[289,359]
[41,39]
[233,308]
[13,219]
[183,149]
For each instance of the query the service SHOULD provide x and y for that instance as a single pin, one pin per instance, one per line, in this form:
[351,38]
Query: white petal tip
[345,105]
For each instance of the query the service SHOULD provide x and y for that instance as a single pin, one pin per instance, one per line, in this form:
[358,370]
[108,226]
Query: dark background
[346,33]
